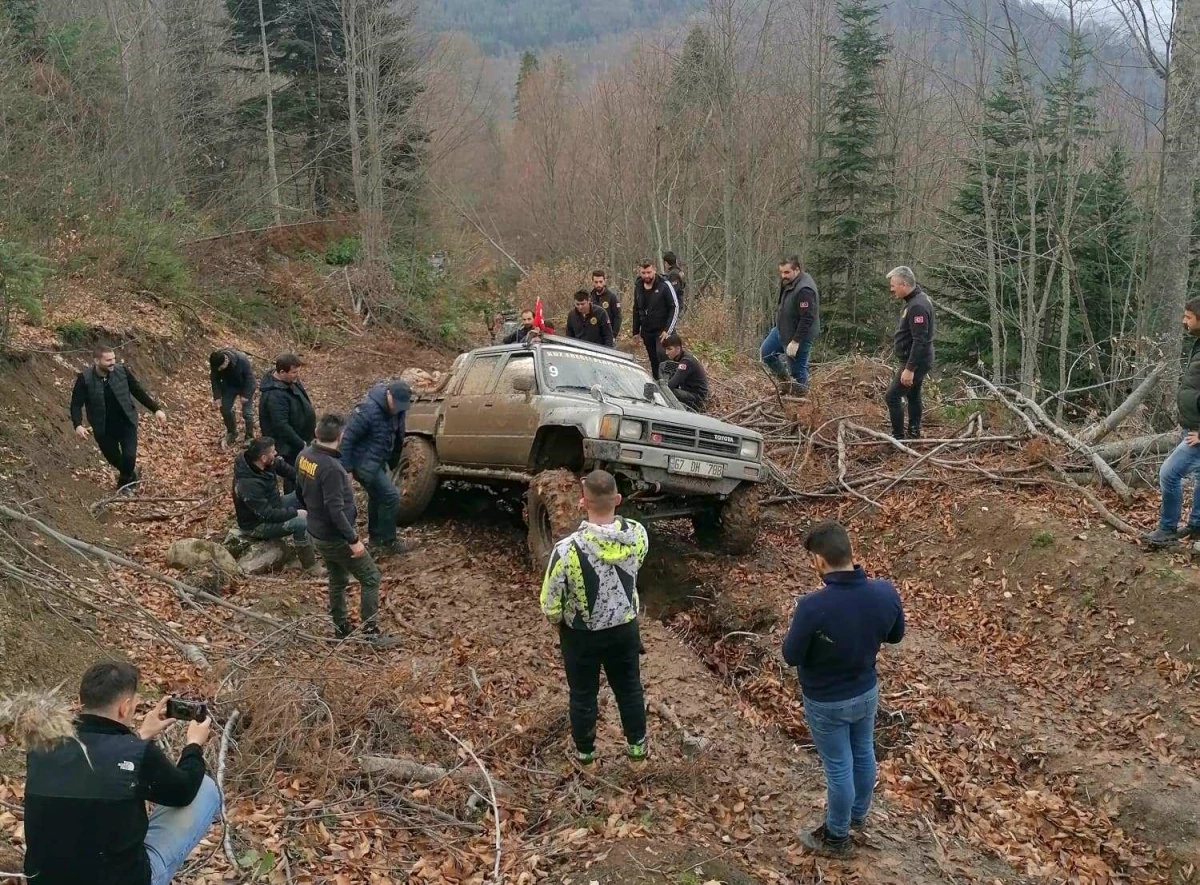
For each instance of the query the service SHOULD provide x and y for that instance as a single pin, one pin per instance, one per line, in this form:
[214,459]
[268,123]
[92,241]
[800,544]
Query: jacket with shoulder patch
[591,581]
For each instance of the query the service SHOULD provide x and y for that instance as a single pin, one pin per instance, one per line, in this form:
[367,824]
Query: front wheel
[552,512]
[416,478]
[732,525]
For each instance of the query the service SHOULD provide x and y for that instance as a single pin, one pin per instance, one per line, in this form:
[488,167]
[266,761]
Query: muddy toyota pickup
[539,416]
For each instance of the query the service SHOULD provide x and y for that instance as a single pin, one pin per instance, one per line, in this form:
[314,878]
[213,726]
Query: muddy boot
[820,843]
[381,641]
[230,439]
[342,631]
[384,549]
[1162,538]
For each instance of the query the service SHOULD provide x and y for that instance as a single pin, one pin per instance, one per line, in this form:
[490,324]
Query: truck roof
[560,341]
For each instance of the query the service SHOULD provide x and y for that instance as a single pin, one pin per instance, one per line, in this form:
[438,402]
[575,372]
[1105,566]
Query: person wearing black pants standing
[655,311]
[106,391]
[590,592]
[914,349]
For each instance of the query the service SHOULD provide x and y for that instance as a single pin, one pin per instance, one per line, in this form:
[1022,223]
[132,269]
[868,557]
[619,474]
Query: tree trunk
[272,171]
[1167,274]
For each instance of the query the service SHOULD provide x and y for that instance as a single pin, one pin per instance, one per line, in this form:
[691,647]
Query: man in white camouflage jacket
[590,592]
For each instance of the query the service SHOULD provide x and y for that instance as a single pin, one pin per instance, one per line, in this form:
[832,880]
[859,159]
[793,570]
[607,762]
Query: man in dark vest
[232,376]
[285,412]
[786,348]
[106,392]
[1185,460]
[85,799]
[588,322]
[913,343]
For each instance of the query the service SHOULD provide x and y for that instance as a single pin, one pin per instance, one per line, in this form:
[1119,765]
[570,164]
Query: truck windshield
[571,370]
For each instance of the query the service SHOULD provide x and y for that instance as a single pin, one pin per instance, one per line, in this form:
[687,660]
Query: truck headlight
[630,429]
[750,449]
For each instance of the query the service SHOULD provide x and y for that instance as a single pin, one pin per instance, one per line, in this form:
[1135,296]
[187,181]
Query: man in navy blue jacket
[833,642]
[371,448]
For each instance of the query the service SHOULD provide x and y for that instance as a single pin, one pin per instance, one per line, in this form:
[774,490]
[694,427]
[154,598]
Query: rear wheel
[732,525]
[416,478]
[552,512]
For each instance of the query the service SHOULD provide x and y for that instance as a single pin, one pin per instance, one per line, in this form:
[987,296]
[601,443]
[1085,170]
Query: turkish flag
[539,320]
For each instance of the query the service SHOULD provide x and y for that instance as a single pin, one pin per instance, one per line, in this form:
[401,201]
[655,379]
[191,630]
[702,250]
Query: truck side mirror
[649,391]
[522,384]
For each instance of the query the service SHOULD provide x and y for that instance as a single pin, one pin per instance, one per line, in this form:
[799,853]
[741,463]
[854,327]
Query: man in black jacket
[913,343]
[323,489]
[263,513]
[1185,460]
[786,348]
[85,799]
[675,277]
[655,311]
[589,323]
[107,391]
[688,381]
[606,298]
[285,412]
[232,376]
[519,334]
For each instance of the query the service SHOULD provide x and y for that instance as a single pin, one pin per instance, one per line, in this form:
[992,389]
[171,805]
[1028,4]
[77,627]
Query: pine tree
[854,197]
[529,64]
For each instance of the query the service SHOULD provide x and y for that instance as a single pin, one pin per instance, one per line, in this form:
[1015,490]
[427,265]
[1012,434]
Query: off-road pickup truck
[538,416]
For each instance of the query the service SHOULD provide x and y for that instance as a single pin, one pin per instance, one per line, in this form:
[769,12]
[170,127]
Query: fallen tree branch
[414,771]
[1152,444]
[1107,515]
[689,740]
[492,795]
[185,591]
[1104,427]
[221,759]
[841,461]
[1102,466]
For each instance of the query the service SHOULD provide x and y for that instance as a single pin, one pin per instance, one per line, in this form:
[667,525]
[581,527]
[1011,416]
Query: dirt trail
[1032,738]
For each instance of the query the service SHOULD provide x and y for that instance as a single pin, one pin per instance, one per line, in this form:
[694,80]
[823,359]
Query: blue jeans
[297,526]
[774,357]
[1183,461]
[174,832]
[844,732]
[383,504]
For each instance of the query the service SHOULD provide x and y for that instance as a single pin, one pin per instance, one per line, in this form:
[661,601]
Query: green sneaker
[585,758]
[637,752]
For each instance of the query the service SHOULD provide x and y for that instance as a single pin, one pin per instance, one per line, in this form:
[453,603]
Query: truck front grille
[675,436]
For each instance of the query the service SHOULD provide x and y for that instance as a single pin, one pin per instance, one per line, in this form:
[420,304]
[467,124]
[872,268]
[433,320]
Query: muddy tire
[552,512]
[416,478]
[733,526]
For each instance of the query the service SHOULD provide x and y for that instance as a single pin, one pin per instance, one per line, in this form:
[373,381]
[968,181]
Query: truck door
[514,417]
[465,433]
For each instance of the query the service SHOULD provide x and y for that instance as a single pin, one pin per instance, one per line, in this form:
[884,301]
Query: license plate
[696,467]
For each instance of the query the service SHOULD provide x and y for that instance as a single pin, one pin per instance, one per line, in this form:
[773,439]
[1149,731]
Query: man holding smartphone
[85,800]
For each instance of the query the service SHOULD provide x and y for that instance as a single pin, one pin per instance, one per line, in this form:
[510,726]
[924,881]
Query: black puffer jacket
[1188,398]
[285,413]
[256,498]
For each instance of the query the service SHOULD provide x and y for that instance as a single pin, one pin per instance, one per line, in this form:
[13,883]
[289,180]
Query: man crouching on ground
[85,799]
[590,592]
[833,642]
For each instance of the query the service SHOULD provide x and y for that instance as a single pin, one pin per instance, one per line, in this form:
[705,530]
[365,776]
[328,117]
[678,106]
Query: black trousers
[653,349]
[119,444]
[616,651]
[896,394]
[228,397]
[692,401]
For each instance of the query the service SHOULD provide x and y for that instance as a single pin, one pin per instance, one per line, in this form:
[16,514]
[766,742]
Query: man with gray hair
[913,344]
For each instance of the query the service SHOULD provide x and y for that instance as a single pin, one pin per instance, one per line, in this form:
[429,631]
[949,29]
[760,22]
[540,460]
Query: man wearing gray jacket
[786,348]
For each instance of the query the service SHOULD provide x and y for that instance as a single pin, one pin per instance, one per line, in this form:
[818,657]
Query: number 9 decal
[552,371]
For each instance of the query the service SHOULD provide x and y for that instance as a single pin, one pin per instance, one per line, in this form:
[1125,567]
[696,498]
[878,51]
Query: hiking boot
[342,631]
[914,433]
[230,439]
[308,561]
[858,825]
[820,843]
[637,752]
[381,549]
[793,388]
[585,758]
[381,641]
[1161,538]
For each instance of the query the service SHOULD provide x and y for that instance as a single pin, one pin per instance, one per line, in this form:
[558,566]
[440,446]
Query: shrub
[74,332]
[345,251]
